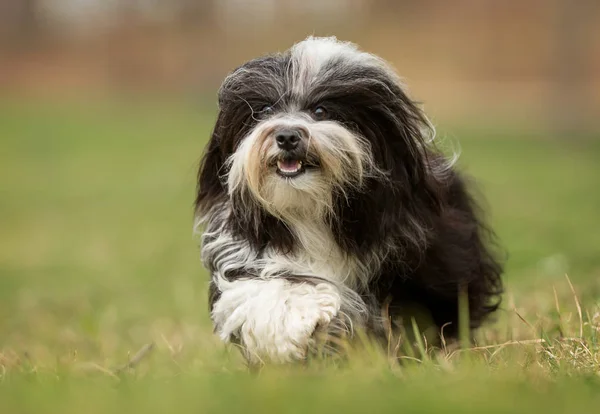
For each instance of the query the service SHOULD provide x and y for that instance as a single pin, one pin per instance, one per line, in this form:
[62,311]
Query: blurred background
[106,106]
[533,61]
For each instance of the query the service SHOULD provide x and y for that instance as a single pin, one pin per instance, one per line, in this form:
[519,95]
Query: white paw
[274,319]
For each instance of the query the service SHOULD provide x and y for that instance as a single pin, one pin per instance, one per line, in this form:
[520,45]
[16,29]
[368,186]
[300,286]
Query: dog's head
[321,132]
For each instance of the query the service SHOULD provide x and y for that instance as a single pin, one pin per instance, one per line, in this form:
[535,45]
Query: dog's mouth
[293,167]
[290,168]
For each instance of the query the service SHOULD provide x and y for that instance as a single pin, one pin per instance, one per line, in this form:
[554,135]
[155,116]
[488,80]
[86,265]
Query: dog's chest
[317,254]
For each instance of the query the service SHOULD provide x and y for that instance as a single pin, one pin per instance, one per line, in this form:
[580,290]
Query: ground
[98,260]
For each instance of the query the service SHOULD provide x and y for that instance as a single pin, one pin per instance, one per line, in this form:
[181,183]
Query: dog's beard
[333,161]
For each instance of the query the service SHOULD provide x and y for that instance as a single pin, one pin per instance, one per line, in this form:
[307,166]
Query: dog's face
[322,130]
[299,143]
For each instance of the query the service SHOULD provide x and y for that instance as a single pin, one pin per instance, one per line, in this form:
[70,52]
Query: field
[97,261]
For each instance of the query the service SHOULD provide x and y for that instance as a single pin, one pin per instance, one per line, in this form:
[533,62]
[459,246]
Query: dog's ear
[402,204]
[210,186]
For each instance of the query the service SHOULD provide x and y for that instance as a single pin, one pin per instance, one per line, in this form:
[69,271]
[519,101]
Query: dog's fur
[377,217]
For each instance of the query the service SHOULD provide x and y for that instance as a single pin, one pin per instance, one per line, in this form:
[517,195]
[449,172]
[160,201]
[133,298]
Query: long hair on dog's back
[322,196]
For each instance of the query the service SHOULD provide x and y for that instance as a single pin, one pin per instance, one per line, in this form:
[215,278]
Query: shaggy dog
[322,200]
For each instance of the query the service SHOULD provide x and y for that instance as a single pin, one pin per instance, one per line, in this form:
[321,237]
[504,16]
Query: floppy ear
[210,188]
[396,210]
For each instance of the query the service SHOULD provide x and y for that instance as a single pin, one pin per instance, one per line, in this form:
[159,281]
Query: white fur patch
[313,53]
[274,319]
[318,255]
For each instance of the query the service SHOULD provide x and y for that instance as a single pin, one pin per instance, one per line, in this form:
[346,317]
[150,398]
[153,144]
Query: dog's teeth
[289,166]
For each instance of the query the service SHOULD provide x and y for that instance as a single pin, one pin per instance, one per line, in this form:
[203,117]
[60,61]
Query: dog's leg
[274,320]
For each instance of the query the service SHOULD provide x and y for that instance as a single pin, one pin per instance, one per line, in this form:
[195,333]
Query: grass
[97,260]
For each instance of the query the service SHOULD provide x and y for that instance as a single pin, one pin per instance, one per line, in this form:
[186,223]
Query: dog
[323,200]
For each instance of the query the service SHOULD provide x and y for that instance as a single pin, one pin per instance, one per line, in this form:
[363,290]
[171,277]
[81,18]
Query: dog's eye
[266,110]
[320,113]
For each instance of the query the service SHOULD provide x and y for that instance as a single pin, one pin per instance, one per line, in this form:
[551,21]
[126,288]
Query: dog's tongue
[289,165]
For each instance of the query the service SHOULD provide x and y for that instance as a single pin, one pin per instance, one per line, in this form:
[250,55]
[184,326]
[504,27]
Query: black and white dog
[322,199]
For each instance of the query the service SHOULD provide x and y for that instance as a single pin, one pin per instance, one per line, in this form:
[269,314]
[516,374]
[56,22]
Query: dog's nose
[287,139]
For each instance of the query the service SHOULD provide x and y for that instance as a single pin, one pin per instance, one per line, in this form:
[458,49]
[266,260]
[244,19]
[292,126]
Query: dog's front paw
[276,320]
